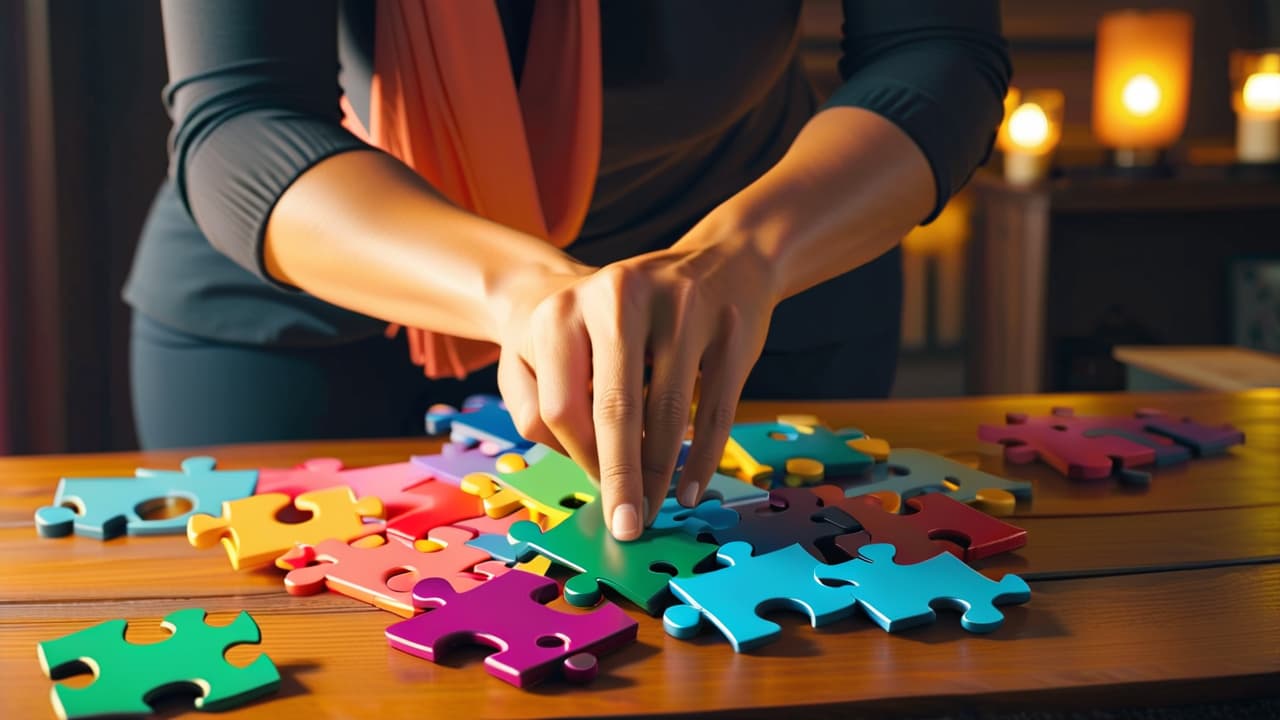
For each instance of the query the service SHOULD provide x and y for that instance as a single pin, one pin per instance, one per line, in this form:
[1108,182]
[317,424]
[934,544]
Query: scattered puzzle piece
[1204,440]
[483,419]
[509,613]
[1060,442]
[791,516]
[707,516]
[253,536]
[911,472]
[104,508]
[898,596]
[363,572]
[127,674]
[634,569]
[938,524]
[549,484]
[733,597]
[454,462]
[759,449]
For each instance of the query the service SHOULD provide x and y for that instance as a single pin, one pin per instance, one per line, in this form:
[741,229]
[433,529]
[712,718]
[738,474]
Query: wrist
[513,289]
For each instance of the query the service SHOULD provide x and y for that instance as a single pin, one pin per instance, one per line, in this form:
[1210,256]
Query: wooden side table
[1062,272]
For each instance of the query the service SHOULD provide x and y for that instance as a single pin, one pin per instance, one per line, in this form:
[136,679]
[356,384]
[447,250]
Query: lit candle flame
[1261,92]
[1028,126]
[1141,95]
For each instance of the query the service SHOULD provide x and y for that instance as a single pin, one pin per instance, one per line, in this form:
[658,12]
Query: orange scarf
[445,103]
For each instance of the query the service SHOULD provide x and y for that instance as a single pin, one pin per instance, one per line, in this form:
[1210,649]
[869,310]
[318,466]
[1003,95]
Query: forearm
[851,185]
[362,231]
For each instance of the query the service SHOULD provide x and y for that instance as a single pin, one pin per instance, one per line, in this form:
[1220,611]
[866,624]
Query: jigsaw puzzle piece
[485,525]
[1204,440]
[531,639]
[1060,442]
[126,674]
[729,490]
[306,476]
[104,508]
[634,569]
[938,523]
[454,462]
[793,515]
[910,472]
[707,516]
[364,571]
[499,547]
[252,534]
[771,445]
[733,597]
[483,419]
[898,596]
[549,484]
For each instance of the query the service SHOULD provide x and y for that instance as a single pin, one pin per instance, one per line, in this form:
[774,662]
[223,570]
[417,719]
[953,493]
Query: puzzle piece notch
[734,597]
[104,508]
[793,515]
[252,535]
[364,572]
[532,640]
[483,420]
[636,569]
[897,596]
[936,523]
[758,450]
[127,675]
[910,472]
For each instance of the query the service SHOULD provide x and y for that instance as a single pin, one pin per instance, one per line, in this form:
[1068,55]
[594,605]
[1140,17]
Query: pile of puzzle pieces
[829,522]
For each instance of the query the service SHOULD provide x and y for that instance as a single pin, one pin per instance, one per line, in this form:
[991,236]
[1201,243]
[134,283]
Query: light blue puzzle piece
[732,597]
[483,419]
[911,472]
[103,508]
[709,515]
[500,547]
[897,597]
[774,443]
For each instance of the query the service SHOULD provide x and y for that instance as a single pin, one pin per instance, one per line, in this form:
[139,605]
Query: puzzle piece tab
[897,596]
[911,472]
[634,569]
[252,535]
[126,674]
[733,597]
[364,572]
[509,614]
[707,516]
[104,508]
[760,450]
[1060,442]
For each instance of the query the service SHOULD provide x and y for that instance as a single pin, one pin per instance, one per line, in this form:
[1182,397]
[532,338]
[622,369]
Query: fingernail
[689,495]
[626,523]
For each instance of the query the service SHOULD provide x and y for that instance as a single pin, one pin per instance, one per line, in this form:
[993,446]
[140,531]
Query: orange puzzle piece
[253,536]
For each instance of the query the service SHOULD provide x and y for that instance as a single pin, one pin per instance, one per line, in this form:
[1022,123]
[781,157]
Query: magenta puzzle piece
[509,614]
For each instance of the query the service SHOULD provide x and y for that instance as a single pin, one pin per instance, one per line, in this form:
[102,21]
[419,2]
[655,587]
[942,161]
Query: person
[634,208]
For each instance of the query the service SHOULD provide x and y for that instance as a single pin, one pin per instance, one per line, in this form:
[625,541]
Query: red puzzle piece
[938,524]
[366,573]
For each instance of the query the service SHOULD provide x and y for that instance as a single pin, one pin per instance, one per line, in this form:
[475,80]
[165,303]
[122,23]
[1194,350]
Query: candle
[1141,82]
[1255,96]
[1029,134]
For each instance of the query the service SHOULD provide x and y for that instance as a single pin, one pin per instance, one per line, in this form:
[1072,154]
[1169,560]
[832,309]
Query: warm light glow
[1261,92]
[1141,95]
[1029,126]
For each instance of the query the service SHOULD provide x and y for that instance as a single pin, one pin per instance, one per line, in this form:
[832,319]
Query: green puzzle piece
[128,674]
[582,542]
[911,472]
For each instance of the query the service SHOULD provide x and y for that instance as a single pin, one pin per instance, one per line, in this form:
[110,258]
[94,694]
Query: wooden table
[1158,596]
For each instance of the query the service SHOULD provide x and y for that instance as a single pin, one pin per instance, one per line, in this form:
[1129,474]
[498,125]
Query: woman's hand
[574,348]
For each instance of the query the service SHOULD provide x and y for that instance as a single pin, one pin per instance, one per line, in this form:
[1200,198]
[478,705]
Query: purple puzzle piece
[455,461]
[1202,439]
[509,613]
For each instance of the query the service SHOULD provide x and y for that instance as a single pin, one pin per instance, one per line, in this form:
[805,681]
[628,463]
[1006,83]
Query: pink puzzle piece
[313,474]
[1060,442]
[509,614]
[365,572]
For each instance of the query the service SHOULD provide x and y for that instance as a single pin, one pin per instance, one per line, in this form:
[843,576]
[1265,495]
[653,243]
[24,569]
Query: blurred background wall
[82,149]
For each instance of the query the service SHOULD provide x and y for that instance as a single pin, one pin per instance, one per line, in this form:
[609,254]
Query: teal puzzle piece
[104,508]
[911,472]
[774,443]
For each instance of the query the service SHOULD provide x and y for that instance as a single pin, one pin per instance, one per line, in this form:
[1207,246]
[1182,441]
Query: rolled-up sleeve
[938,69]
[255,101]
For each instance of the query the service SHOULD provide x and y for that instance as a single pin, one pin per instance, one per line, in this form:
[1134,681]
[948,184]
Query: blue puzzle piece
[500,547]
[910,472]
[103,508]
[899,596]
[732,597]
[774,443]
[709,515]
[483,419]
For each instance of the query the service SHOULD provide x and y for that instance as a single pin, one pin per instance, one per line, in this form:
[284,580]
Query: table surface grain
[1169,594]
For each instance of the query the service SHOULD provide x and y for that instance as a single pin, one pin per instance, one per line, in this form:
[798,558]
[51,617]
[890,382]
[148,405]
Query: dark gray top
[700,98]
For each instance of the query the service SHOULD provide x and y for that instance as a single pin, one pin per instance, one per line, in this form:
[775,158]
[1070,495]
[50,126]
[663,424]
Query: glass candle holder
[1255,96]
[1141,83]
[1030,133]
